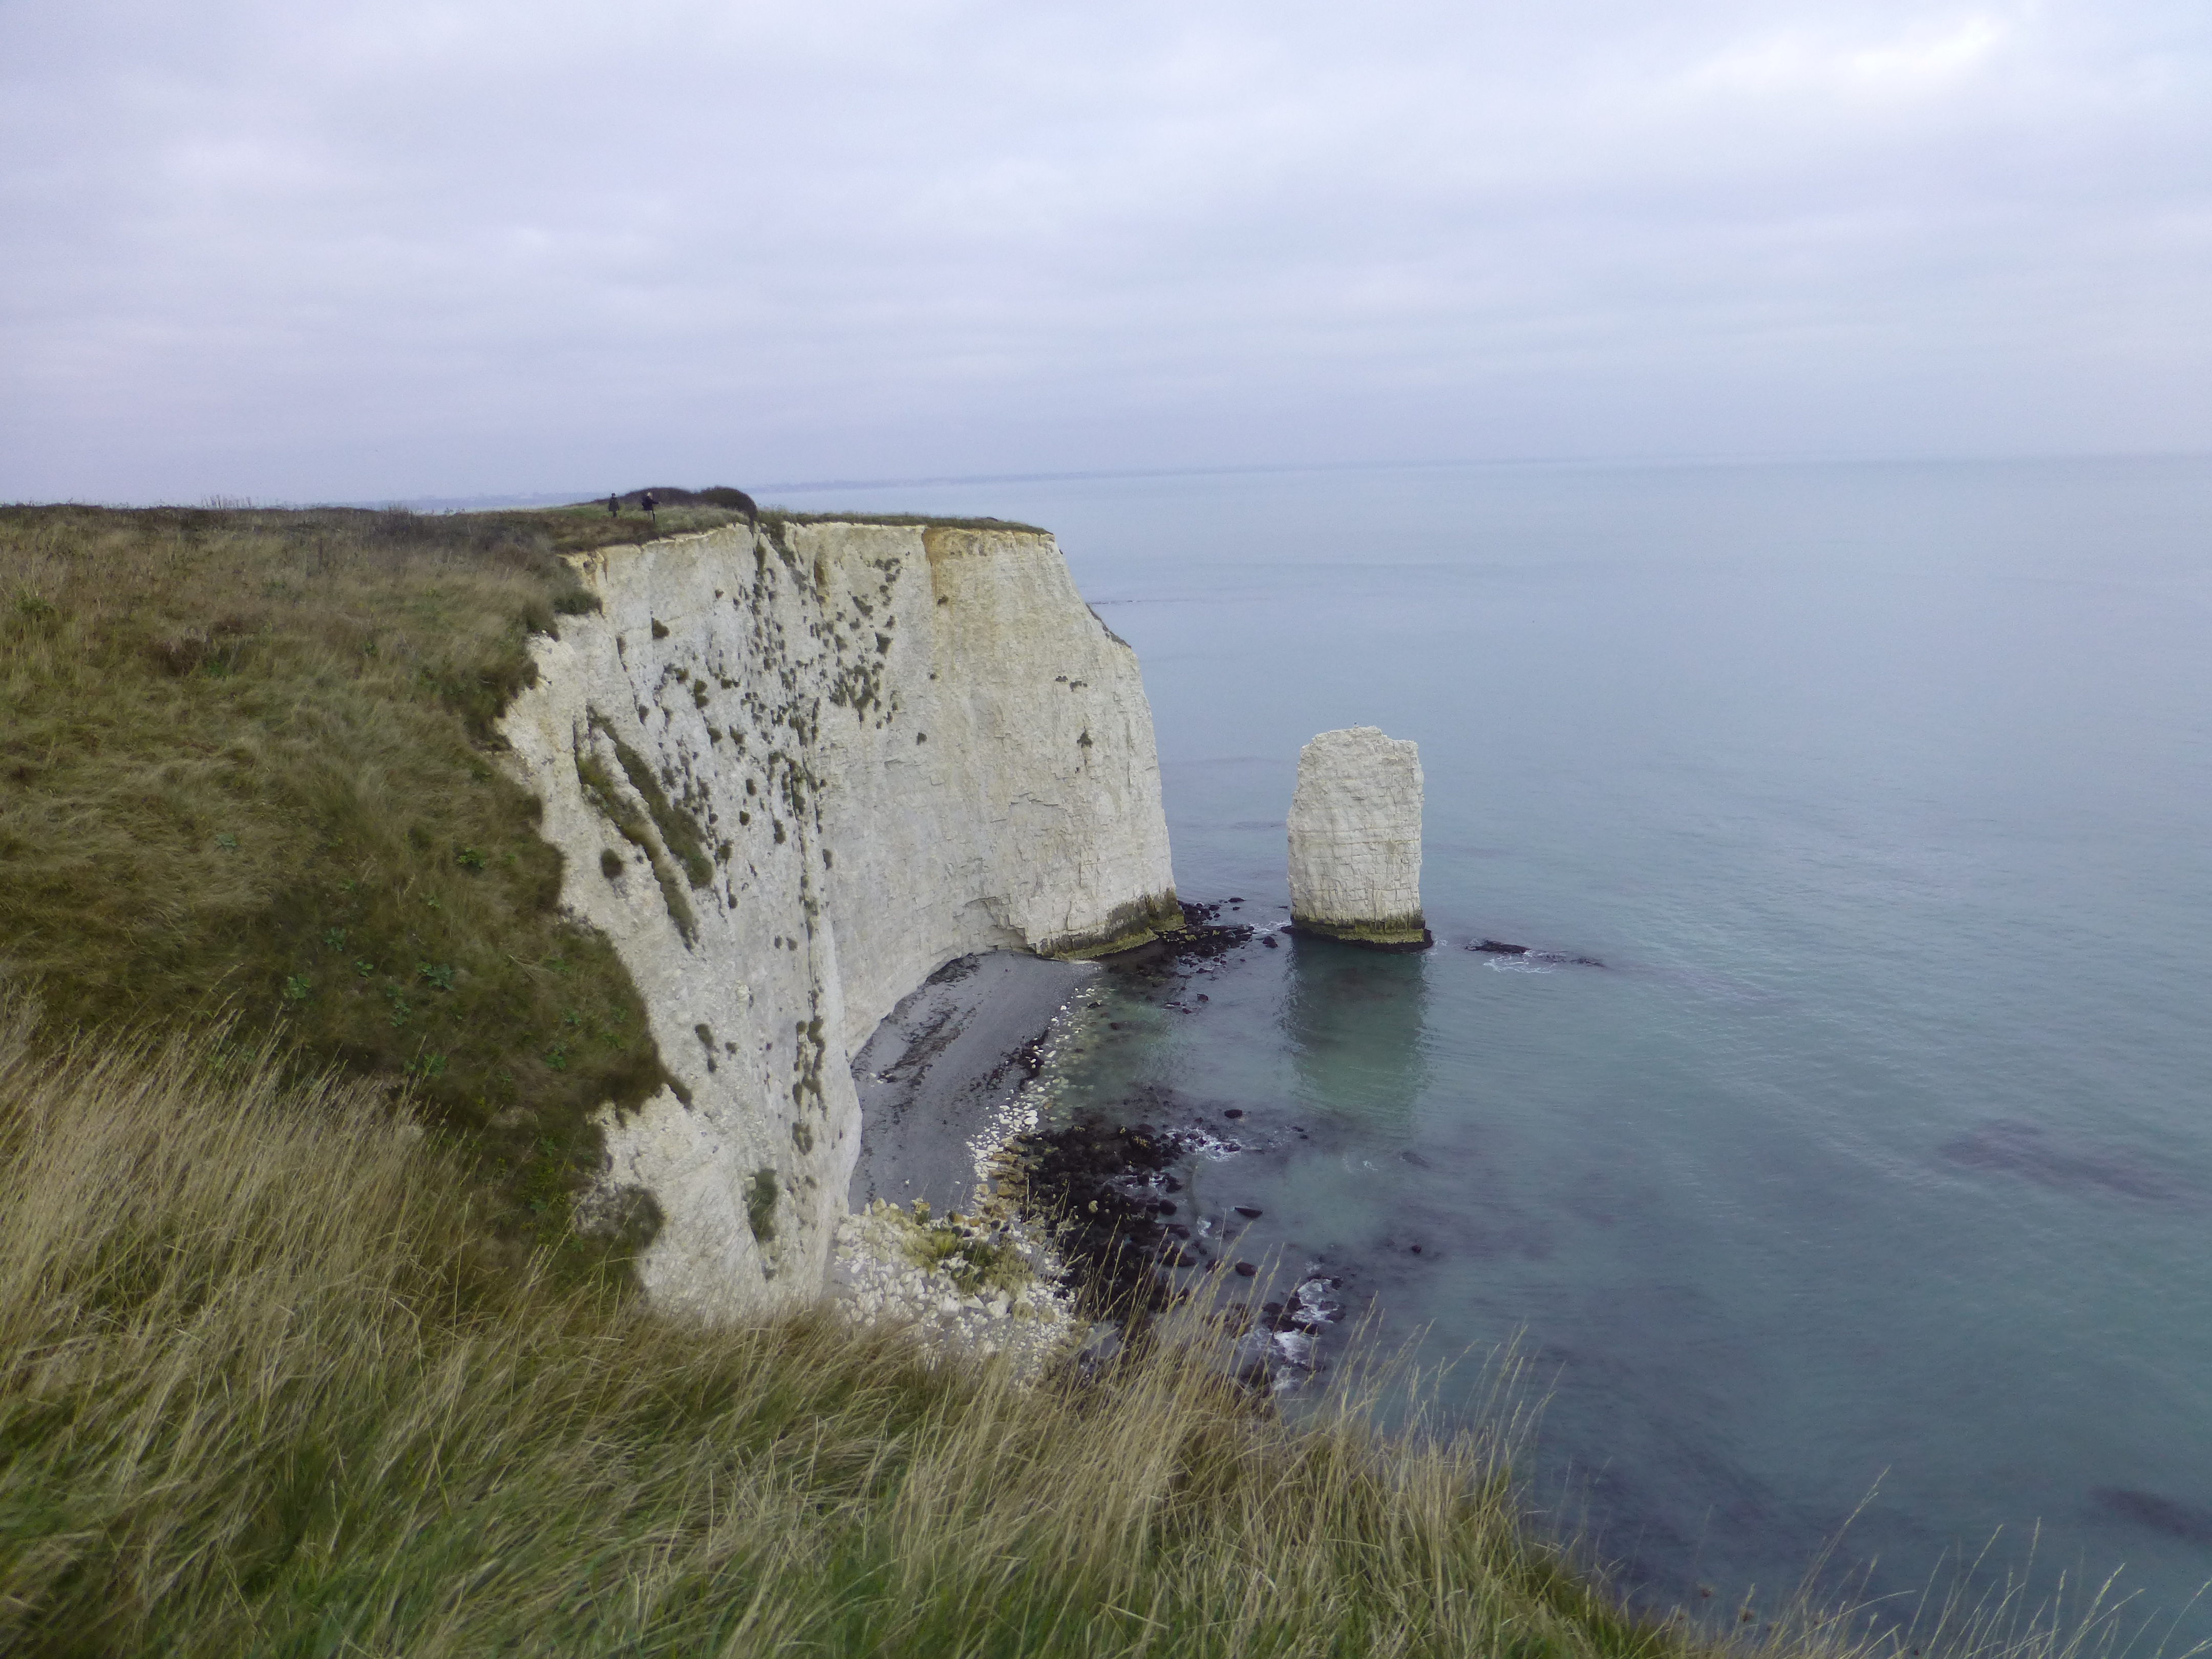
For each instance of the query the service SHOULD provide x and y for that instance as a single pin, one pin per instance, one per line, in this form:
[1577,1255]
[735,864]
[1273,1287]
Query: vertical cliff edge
[792,770]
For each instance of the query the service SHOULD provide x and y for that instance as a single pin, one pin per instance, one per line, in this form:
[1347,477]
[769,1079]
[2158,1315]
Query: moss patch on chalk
[977,1257]
[1126,927]
[760,1205]
[1387,933]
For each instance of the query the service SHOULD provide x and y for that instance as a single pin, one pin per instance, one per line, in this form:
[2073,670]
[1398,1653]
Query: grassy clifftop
[246,767]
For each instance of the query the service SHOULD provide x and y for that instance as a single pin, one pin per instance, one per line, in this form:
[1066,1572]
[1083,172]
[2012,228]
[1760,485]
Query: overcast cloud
[345,250]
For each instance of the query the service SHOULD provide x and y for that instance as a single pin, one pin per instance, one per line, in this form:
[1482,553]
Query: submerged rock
[1355,828]
[1499,948]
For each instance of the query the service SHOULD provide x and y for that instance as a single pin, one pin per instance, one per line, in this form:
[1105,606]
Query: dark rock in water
[1202,940]
[1416,1159]
[1249,1212]
[2189,1521]
[1234,1111]
[2024,1149]
[1107,1182]
[1499,947]
[1417,1249]
[1269,941]
[1202,936]
[1280,1352]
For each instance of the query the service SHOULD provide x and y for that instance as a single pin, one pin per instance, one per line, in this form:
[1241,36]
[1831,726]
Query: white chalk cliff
[792,770]
[1355,830]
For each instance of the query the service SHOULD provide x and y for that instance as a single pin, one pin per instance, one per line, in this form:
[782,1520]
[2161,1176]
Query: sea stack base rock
[1356,841]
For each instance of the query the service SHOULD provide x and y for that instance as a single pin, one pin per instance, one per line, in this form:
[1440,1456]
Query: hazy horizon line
[493,501]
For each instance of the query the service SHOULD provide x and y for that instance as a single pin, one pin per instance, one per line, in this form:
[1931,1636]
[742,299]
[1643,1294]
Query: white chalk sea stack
[1356,841]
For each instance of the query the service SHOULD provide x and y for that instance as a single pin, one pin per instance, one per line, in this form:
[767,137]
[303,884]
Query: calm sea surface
[1878,1158]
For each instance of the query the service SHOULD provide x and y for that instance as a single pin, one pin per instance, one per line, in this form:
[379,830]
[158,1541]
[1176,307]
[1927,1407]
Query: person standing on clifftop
[614,507]
[647,502]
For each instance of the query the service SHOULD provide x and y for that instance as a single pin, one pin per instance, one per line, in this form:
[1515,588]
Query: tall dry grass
[264,1388]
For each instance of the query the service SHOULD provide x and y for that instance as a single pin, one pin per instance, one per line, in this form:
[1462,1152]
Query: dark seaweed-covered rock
[1167,961]
[1103,1183]
[1205,936]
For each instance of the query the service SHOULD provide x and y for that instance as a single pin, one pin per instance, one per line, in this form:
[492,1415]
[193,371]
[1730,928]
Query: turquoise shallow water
[1879,1157]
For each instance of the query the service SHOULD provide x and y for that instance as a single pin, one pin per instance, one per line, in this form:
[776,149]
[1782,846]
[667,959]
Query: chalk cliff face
[1355,830]
[793,771]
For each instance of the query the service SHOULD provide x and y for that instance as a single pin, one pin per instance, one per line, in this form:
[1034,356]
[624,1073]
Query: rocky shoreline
[989,1229]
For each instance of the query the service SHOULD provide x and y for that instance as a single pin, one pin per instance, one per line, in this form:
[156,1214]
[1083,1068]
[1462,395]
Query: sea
[1847,1226]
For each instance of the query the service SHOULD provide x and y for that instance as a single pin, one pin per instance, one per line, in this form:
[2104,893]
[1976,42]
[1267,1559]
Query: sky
[347,251]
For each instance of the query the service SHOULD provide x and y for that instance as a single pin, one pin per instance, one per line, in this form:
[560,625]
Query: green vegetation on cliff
[247,766]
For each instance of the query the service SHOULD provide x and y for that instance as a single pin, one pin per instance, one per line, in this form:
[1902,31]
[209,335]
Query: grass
[270,1386]
[247,766]
[978,1260]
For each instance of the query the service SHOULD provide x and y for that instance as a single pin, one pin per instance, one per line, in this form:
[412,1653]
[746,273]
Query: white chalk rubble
[962,1288]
